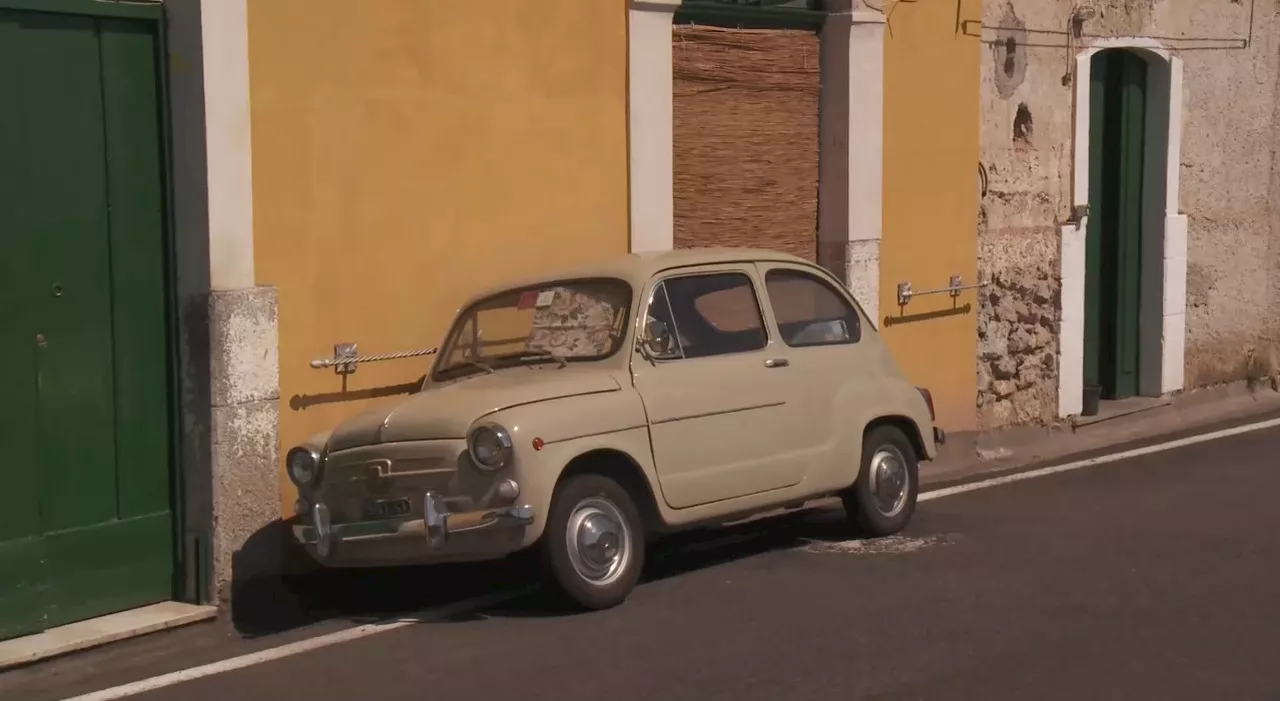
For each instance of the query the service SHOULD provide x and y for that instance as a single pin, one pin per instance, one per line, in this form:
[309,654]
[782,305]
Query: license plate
[387,508]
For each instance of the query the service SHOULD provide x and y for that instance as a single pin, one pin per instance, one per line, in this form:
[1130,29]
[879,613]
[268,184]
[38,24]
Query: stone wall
[1229,173]
[1017,348]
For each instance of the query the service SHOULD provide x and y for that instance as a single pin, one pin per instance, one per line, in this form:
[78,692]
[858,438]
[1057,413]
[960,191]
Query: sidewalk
[968,456]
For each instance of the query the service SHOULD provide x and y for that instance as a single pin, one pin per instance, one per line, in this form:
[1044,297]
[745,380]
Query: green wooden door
[86,523]
[1113,241]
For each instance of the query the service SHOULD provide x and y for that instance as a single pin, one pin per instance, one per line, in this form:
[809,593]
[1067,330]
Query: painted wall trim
[650,116]
[225,29]
[229,380]
[1165,335]
[851,152]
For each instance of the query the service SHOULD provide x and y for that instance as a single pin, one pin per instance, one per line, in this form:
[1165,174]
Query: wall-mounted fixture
[1078,16]
[1078,213]
[954,287]
[345,358]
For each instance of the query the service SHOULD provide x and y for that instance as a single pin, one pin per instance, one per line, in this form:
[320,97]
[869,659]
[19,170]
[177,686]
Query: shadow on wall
[300,402]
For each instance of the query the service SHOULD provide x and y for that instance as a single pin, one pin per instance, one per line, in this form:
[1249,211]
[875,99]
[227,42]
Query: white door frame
[1162,310]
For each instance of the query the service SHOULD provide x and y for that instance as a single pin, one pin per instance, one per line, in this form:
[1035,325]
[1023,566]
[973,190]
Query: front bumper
[437,525]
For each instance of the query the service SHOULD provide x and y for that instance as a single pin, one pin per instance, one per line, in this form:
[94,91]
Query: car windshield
[559,322]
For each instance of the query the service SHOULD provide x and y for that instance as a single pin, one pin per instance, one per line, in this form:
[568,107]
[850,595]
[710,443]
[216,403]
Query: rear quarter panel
[870,388]
[891,395]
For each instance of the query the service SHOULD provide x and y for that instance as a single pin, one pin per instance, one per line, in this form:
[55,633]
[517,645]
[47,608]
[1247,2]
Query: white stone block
[1175,236]
[1173,353]
[1070,369]
[1175,286]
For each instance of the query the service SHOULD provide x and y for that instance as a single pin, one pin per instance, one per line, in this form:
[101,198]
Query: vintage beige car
[584,412]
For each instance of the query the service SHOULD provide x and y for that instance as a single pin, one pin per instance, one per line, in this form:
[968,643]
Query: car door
[719,420]
[820,328]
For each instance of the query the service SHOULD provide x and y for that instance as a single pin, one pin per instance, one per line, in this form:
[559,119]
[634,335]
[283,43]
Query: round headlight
[304,466]
[490,446]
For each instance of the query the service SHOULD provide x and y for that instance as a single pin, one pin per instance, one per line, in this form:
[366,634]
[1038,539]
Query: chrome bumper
[939,436]
[435,527]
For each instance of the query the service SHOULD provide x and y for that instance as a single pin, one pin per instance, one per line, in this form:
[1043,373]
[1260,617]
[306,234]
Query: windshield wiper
[473,363]
[530,355]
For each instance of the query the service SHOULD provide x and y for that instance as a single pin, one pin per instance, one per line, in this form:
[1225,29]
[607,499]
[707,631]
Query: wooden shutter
[746,138]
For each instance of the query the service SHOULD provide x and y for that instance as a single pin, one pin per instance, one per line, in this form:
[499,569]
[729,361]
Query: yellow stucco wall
[406,153]
[931,111]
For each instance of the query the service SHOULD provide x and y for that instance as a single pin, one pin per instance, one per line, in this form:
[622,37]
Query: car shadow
[269,605]
[698,550]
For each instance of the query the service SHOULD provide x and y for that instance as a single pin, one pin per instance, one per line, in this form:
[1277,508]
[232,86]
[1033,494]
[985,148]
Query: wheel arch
[905,424]
[626,471]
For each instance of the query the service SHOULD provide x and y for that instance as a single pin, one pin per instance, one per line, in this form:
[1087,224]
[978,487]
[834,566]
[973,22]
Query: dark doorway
[1113,244]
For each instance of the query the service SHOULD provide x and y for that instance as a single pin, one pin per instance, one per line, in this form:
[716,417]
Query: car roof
[638,267]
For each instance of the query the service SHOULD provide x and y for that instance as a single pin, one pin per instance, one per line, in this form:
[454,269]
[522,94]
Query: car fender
[549,436]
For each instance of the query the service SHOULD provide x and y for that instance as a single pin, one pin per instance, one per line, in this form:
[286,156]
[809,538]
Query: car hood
[446,411]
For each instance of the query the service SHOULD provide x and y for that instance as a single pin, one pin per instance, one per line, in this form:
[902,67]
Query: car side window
[809,311]
[715,314]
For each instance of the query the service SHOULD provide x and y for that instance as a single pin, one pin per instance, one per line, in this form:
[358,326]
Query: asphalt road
[1150,578]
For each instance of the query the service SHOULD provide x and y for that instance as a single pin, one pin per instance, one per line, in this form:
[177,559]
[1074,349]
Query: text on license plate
[387,508]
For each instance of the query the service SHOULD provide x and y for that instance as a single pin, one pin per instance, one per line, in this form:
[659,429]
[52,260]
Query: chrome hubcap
[890,483]
[598,540]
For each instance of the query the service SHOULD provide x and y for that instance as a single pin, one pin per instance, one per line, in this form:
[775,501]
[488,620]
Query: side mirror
[657,341]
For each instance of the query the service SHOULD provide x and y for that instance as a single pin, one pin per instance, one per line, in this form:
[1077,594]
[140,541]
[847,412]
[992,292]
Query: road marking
[301,646]
[1100,460]
[370,629]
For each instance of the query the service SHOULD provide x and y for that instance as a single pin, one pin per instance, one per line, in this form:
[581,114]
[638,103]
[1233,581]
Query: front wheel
[883,499]
[594,544]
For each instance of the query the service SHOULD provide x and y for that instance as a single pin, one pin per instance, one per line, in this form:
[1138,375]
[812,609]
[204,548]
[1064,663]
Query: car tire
[877,504]
[594,545]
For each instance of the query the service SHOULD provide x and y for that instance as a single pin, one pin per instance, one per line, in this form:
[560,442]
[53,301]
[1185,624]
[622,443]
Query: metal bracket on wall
[954,287]
[1078,213]
[345,359]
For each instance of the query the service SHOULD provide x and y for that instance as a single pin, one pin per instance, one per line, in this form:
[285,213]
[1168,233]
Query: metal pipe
[954,288]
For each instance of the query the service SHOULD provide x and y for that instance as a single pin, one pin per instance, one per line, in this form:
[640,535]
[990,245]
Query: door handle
[777,363]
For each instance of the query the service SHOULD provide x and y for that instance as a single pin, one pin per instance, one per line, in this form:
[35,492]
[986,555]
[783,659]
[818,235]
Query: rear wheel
[883,499]
[594,544]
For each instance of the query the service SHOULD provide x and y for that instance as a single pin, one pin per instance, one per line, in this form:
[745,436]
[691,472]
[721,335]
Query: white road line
[295,648]
[364,631]
[1100,460]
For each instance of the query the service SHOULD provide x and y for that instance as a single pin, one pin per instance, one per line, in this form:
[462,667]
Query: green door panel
[138,263]
[87,524]
[1128,231]
[109,567]
[21,548]
[22,584]
[66,214]
[1113,242]
[1098,213]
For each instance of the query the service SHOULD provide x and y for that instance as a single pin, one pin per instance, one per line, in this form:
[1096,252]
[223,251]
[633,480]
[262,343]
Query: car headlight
[304,466]
[490,446]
